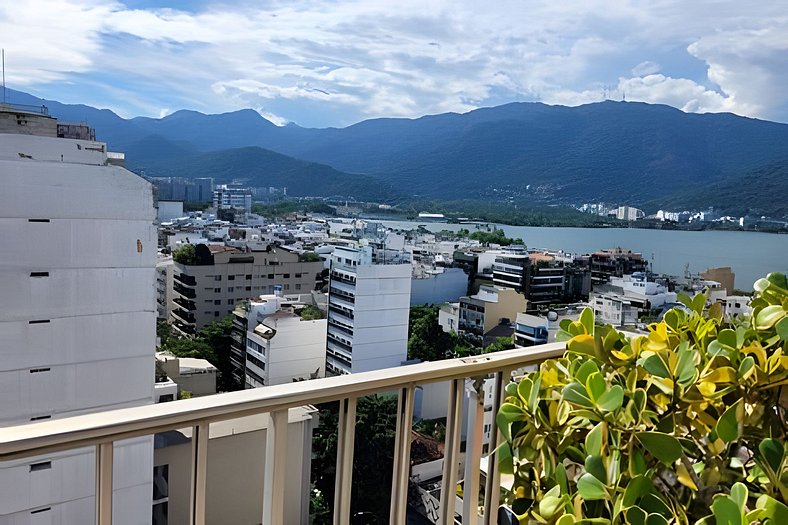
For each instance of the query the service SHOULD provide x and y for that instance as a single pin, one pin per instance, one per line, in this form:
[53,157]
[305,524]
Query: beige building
[208,288]
[197,376]
[492,307]
[724,276]
[236,470]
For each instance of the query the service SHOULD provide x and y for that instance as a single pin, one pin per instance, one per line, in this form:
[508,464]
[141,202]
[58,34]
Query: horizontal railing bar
[61,434]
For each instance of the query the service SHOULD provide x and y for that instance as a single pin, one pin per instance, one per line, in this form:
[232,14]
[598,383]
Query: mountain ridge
[617,152]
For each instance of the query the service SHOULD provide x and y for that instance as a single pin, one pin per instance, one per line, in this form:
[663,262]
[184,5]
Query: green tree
[373,456]
[217,336]
[185,254]
[309,257]
[496,236]
[426,339]
[500,343]
[212,343]
[163,331]
[310,313]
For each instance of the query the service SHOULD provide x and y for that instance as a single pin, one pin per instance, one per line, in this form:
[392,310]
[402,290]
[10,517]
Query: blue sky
[333,63]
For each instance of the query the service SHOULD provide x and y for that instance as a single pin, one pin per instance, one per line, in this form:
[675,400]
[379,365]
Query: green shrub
[185,254]
[684,425]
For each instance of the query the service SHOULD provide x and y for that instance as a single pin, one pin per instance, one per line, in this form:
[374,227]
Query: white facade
[449,317]
[280,346]
[169,210]
[613,309]
[77,319]
[368,310]
[737,305]
[232,198]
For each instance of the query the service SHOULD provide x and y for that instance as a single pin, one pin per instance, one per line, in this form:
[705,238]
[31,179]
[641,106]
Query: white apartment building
[77,313]
[280,346]
[368,309]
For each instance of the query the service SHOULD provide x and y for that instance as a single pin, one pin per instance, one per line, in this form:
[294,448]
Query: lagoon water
[750,254]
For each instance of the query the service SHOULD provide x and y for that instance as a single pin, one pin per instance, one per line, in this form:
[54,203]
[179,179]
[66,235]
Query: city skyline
[319,64]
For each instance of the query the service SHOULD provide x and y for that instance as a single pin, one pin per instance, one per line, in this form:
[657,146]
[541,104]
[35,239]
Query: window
[297,286]
[230,288]
[248,288]
[217,302]
[248,276]
[230,301]
[161,493]
[166,398]
[217,290]
[217,277]
[298,276]
[287,287]
[270,276]
[287,276]
[231,277]
[216,314]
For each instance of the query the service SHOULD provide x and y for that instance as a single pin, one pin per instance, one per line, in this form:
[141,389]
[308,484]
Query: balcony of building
[343,294]
[184,279]
[185,304]
[188,293]
[184,316]
[461,462]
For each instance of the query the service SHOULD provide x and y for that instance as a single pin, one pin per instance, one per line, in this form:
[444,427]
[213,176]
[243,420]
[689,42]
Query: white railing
[101,430]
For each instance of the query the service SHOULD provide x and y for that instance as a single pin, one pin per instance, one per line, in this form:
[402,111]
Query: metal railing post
[346,433]
[199,479]
[492,489]
[104,459]
[451,452]
[473,453]
[275,469]
[401,471]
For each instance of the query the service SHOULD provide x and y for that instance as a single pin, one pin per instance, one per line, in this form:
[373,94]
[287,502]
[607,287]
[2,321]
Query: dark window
[166,398]
[160,513]
[216,314]
[161,476]
[249,277]
[230,301]
[217,290]
[44,465]
[270,276]
[231,277]
[248,288]
[217,277]
[287,276]
[217,302]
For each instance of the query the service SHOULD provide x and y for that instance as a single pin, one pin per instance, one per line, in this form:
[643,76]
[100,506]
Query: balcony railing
[102,430]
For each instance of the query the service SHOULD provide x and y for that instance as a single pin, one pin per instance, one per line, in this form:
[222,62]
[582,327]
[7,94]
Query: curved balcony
[189,293]
[186,280]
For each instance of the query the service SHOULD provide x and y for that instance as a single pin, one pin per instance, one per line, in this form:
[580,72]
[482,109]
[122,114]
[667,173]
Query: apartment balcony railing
[187,280]
[102,430]
[189,293]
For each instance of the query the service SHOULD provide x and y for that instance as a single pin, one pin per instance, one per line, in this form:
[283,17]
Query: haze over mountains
[528,153]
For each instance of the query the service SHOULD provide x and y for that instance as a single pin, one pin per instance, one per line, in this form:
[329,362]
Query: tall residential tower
[77,312]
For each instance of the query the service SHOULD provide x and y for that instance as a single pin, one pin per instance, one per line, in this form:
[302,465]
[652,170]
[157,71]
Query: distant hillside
[259,167]
[524,153]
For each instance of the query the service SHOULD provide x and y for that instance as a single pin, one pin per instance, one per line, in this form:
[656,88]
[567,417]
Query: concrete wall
[77,318]
[380,327]
[297,350]
[236,467]
[444,287]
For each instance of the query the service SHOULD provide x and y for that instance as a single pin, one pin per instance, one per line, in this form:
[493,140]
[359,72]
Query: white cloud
[358,59]
[646,68]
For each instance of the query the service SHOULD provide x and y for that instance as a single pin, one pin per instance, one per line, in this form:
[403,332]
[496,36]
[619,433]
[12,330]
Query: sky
[322,63]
